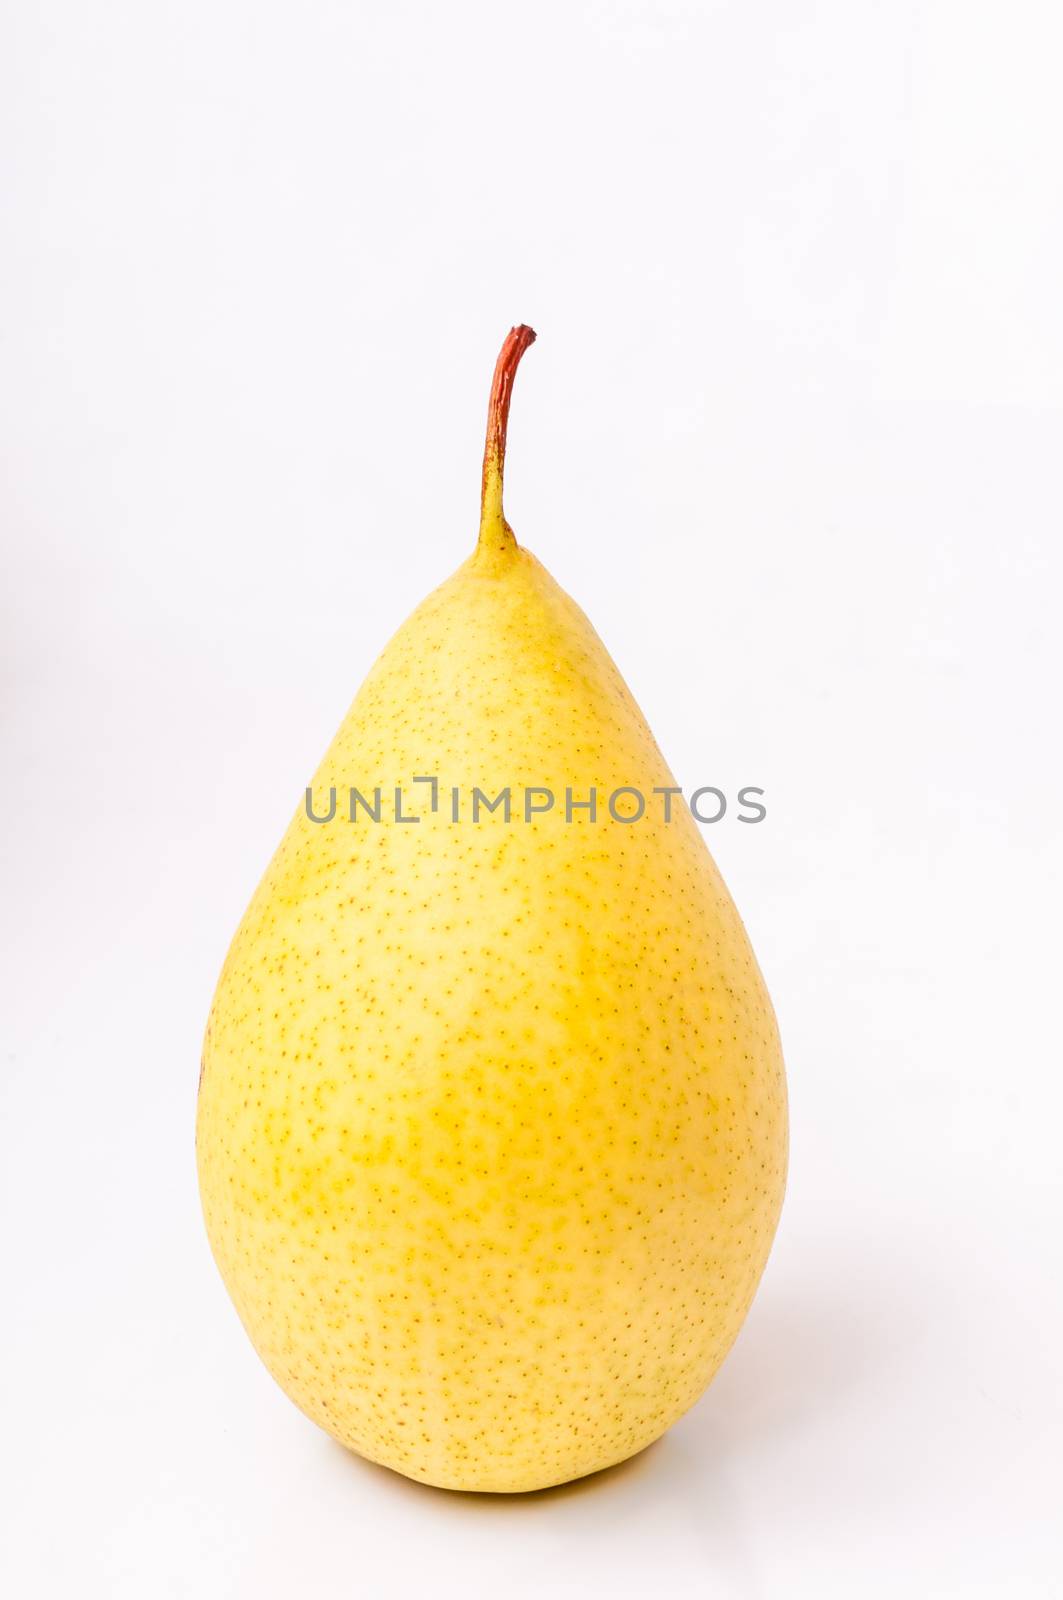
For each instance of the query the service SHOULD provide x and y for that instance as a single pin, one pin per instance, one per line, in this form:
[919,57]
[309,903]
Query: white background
[792,436]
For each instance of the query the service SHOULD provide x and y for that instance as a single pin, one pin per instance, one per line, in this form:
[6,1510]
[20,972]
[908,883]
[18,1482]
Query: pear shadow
[805,1352]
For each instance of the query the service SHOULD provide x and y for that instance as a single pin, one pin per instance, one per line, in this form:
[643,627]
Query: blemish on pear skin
[493,1142]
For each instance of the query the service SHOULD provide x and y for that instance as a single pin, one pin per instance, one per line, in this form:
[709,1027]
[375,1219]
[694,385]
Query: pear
[492,1119]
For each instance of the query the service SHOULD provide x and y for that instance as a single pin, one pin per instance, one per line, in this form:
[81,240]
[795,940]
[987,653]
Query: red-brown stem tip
[516,342]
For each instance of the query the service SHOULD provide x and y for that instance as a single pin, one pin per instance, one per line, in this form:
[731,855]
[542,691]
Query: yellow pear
[492,1116]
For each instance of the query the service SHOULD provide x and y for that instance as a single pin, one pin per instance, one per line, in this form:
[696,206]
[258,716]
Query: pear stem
[495,532]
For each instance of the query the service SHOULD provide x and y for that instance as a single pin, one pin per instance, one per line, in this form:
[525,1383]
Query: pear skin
[492,1131]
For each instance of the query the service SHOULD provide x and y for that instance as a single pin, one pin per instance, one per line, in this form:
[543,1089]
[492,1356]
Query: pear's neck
[496,535]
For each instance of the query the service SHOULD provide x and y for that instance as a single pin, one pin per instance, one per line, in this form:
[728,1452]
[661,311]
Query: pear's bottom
[489,1483]
[461,1394]
[487,1382]
[520,1449]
